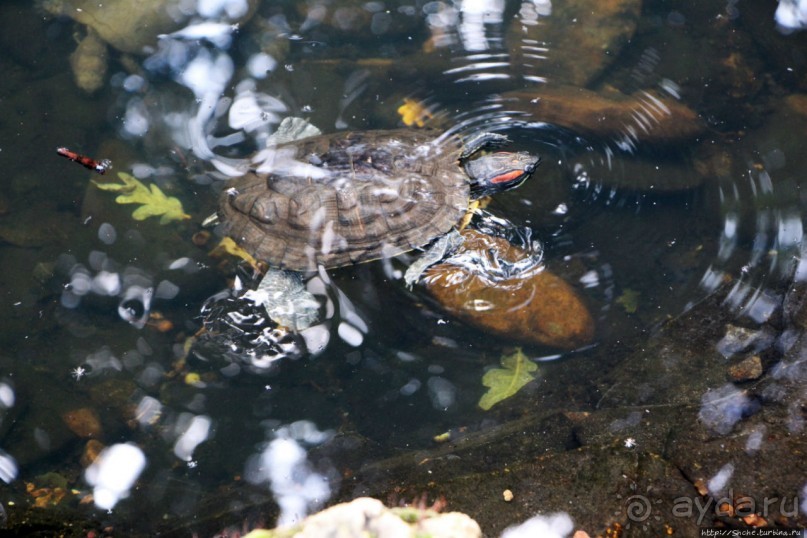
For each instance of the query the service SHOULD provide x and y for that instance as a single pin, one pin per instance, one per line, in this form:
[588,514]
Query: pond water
[665,322]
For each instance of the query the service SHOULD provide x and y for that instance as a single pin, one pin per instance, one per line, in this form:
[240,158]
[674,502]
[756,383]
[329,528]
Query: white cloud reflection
[717,483]
[791,15]
[558,525]
[475,15]
[195,433]
[114,472]
[234,9]
[723,407]
[283,464]
[8,467]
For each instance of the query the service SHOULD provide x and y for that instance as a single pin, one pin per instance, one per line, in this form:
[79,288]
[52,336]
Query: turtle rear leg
[440,249]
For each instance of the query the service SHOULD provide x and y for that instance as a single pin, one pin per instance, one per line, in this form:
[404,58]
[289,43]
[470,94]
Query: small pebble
[201,239]
[748,369]
[91,451]
[442,438]
[83,422]
[107,233]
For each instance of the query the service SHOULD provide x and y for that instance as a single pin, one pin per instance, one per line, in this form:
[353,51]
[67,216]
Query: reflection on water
[146,385]
[297,488]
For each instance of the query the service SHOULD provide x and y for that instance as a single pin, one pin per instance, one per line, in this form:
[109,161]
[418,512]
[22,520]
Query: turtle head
[497,172]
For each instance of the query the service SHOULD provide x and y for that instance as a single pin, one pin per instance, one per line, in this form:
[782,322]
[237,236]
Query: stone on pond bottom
[83,422]
[540,309]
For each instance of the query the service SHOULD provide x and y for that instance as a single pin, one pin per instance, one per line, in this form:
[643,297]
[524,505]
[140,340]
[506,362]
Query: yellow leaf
[414,113]
[154,203]
[229,246]
[192,378]
[505,382]
[442,438]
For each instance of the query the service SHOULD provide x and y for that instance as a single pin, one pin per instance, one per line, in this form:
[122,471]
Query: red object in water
[98,166]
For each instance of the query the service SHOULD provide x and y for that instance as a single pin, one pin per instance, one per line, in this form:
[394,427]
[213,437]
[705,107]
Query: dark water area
[651,358]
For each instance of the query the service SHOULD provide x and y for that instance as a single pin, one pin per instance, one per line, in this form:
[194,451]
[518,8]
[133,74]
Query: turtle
[350,197]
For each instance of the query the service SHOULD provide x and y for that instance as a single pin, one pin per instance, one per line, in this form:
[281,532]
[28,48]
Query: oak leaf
[153,202]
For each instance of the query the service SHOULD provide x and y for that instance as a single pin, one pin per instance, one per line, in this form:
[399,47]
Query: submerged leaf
[629,300]
[154,203]
[505,382]
[414,113]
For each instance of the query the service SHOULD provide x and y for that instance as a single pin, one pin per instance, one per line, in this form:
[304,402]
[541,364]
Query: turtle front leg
[482,141]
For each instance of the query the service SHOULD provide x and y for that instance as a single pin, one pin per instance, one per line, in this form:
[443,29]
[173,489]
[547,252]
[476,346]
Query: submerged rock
[797,103]
[89,63]
[84,422]
[369,517]
[642,440]
[541,308]
[747,369]
[358,20]
[644,116]
[577,41]
[126,26]
[36,225]
[130,27]
[115,395]
[92,450]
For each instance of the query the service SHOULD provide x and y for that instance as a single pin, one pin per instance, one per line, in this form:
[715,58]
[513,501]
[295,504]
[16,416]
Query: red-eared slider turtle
[346,198]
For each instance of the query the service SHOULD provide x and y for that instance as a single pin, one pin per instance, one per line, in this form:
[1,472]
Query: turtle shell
[347,198]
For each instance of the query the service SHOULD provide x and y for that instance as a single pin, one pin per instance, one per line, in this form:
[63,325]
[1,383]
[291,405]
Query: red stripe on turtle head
[507,176]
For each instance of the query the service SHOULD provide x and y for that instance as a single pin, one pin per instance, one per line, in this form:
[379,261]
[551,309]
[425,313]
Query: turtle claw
[211,221]
[482,141]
